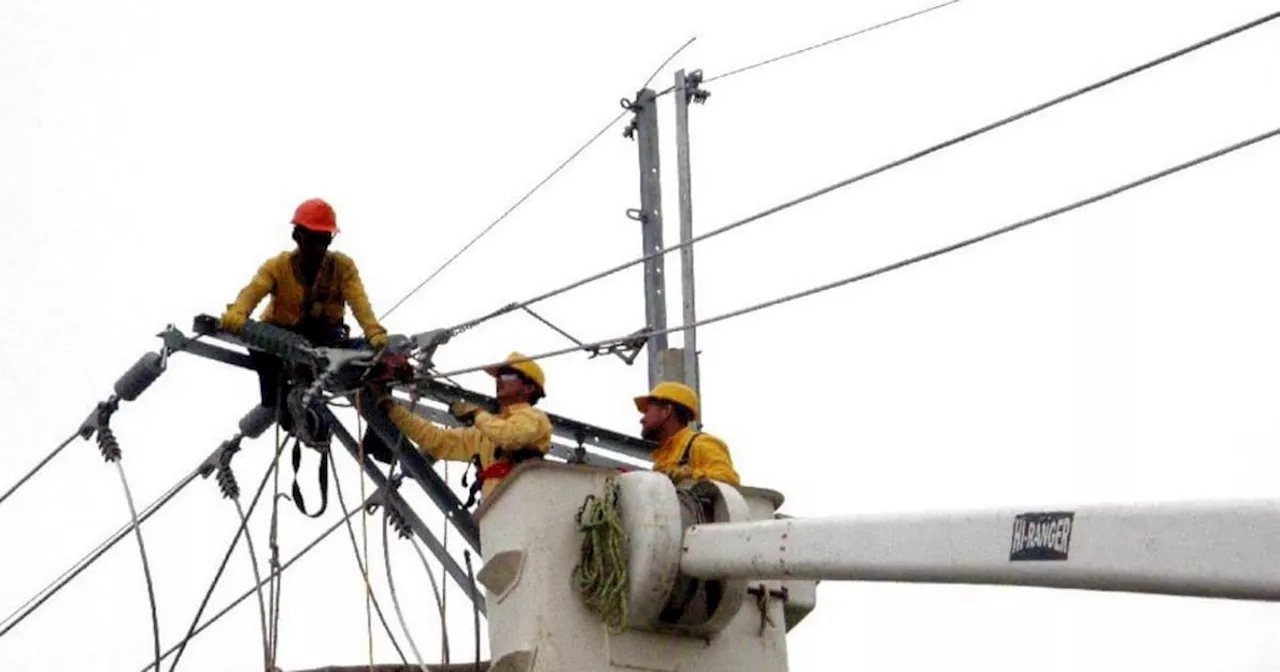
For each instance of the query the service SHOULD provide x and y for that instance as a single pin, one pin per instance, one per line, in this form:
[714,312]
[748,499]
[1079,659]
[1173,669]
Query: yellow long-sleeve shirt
[337,285]
[517,426]
[708,458]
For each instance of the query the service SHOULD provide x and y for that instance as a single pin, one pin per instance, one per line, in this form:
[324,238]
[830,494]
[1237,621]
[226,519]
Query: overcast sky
[152,154]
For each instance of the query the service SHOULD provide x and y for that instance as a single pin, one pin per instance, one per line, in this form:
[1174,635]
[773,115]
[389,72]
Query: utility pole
[645,126]
[686,90]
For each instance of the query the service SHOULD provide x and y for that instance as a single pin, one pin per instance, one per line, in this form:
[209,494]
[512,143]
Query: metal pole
[650,216]
[686,233]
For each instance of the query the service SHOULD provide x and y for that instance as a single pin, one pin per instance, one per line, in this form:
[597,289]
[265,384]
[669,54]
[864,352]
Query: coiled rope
[601,573]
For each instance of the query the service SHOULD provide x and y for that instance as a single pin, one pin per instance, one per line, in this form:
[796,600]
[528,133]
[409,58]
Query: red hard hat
[316,215]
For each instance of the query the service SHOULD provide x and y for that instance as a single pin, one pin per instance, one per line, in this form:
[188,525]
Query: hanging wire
[370,598]
[435,589]
[242,530]
[244,596]
[598,345]
[257,576]
[475,609]
[391,582]
[31,605]
[364,534]
[604,129]
[876,171]
[273,540]
[110,449]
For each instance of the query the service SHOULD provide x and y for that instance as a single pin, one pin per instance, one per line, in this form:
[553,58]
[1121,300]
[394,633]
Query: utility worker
[310,288]
[493,443]
[682,453]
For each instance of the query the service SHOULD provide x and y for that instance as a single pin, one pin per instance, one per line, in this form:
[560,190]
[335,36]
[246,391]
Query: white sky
[153,152]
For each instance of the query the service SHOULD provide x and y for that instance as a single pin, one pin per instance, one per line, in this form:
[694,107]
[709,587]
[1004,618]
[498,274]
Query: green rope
[601,573]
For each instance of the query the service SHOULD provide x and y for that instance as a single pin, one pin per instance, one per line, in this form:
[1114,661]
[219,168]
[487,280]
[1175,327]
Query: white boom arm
[1225,549]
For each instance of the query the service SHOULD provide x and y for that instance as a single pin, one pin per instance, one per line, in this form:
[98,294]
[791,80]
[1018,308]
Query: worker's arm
[263,282]
[709,460]
[517,431]
[353,292]
[438,442]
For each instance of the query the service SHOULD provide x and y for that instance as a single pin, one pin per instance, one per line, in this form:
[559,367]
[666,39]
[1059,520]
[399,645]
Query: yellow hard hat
[676,393]
[527,367]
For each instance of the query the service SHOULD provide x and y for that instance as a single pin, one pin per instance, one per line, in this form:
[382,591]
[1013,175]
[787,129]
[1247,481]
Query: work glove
[232,322]
[464,411]
[378,341]
[682,473]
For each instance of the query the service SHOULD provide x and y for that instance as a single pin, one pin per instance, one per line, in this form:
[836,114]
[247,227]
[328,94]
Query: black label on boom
[1041,536]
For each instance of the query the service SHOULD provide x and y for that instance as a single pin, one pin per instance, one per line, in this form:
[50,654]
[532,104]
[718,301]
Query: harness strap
[688,450]
[323,478]
[504,461]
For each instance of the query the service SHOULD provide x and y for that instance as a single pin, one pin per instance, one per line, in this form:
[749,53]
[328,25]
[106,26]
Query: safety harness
[504,460]
[687,455]
[323,474]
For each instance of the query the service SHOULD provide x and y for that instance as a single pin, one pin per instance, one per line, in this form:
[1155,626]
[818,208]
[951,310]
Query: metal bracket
[175,341]
[762,601]
[630,131]
[692,93]
[627,349]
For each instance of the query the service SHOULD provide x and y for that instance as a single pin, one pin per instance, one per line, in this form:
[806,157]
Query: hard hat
[316,215]
[527,367]
[673,392]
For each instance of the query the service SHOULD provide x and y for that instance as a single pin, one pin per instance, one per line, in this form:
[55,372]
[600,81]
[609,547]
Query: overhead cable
[899,264]
[244,596]
[391,584]
[31,605]
[360,564]
[670,58]
[819,45]
[528,194]
[242,530]
[875,171]
[38,467]
[146,564]
[435,590]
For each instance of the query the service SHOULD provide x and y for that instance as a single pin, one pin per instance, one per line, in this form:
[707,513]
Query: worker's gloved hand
[464,411]
[231,322]
[681,474]
[378,341]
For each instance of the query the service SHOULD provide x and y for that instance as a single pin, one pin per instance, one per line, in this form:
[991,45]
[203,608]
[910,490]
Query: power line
[244,596]
[142,549]
[530,193]
[875,171]
[671,58]
[31,605]
[242,530]
[38,467]
[819,45]
[503,216]
[391,586]
[905,262]
[360,564]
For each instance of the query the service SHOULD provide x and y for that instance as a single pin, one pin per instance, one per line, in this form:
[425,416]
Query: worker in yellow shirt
[494,443]
[310,288]
[682,453]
